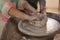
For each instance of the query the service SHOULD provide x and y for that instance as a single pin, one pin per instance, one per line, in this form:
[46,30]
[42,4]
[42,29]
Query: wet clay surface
[11,32]
[35,27]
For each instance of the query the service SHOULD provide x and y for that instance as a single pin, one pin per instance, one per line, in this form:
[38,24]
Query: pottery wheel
[31,30]
[11,32]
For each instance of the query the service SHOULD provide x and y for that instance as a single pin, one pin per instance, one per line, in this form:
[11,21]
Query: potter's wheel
[52,26]
[11,32]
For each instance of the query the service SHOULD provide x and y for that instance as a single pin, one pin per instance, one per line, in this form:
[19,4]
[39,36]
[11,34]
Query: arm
[8,9]
[16,13]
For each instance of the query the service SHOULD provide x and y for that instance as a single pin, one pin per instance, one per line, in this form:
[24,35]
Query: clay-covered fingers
[30,18]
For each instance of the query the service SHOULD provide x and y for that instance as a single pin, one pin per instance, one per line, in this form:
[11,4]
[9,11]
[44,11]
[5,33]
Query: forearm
[16,13]
[8,9]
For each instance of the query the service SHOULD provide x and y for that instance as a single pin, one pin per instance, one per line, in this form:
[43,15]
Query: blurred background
[53,5]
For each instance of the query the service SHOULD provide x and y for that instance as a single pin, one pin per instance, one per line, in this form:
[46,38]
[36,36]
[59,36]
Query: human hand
[30,18]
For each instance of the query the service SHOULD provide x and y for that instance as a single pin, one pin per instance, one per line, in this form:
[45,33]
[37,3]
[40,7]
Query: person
[15,7]
[22,9]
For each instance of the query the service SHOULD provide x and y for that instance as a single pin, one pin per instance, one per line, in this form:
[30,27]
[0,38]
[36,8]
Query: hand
[30,18]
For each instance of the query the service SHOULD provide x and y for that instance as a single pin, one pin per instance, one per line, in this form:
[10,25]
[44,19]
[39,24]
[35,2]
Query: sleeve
[20,4]
[5,6]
